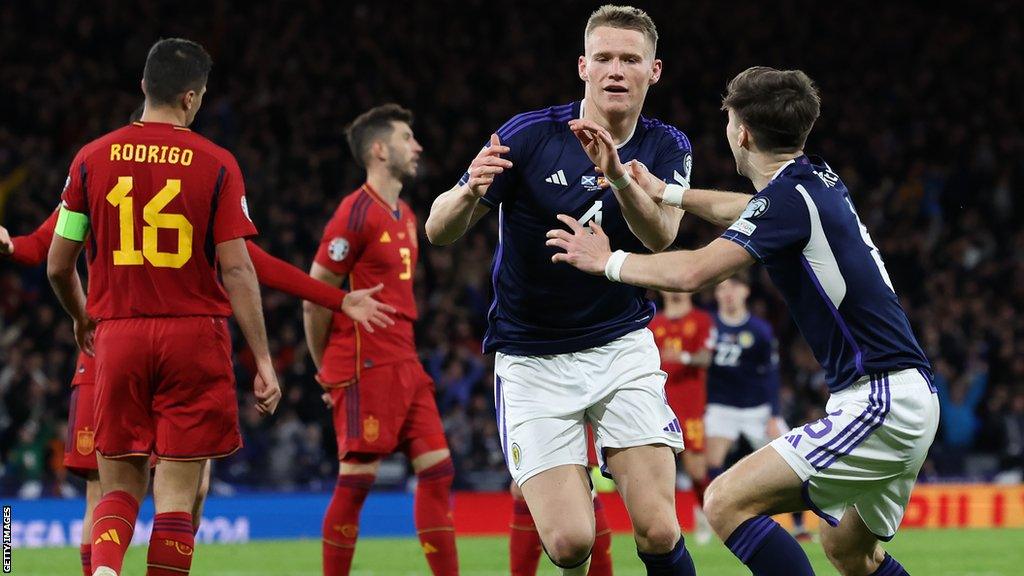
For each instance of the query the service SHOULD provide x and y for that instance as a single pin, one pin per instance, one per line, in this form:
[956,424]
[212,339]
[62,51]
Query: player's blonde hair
[624,17]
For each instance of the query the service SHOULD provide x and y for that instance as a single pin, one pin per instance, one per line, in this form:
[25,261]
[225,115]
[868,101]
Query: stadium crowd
[920,116]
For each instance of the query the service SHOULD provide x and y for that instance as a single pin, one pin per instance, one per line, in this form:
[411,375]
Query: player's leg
[124,482]
[80,453]
[175,487]
[739,504]
[201,493]
[93,493]
[563,509]
[340,529]
[524,545]
[855,551]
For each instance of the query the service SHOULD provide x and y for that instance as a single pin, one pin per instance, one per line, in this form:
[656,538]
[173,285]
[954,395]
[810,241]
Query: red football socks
[524,545]
[113,529]
[601,557]
[85,551]
[432,512]
[341,522]
[170,544]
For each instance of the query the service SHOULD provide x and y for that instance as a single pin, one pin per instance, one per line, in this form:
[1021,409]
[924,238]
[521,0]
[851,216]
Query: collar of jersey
[396,213]
[628,138]
[142,124]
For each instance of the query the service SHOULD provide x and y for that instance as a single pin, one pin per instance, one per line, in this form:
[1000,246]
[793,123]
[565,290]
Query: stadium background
[921,116]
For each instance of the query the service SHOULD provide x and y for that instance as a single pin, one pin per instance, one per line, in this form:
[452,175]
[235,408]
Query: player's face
[676,299]
[731,295]
[737,136]
[618,67]
[403,151]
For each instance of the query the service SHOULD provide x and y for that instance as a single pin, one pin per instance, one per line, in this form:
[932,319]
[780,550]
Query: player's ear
[655,72]
[379,150]
[582,66]
[743,137]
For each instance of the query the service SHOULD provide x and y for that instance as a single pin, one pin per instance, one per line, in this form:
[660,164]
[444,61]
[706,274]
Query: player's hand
[328,400]
[649,183]
[6,246]
[600,147]
[360,306]
[587,250]
[85,332]
[266,389]
[486,166]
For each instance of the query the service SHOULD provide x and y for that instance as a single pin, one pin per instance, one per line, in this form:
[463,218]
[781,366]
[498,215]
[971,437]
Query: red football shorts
[165,386]
[80,446]
[687,400]
[389,408]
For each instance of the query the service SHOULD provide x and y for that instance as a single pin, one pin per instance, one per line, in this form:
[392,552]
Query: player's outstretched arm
[458,209]
[715,206]
[67,285]
[676,271]
[31,249]
[655,225]
[239,278]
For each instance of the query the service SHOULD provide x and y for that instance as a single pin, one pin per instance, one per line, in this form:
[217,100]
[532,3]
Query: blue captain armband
[71,225]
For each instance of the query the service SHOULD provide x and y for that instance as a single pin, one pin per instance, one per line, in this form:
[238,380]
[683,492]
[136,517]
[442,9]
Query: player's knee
[720,503]
[659,536]
[849,560]
[568,546]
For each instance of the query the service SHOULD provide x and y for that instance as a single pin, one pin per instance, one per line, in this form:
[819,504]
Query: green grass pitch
[923,552]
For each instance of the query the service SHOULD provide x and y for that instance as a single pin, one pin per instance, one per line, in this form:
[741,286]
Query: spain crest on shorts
[85,441]
[371,429]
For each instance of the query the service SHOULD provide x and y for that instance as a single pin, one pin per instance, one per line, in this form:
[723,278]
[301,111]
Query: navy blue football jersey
[805,230]
[744,369]
[542,308]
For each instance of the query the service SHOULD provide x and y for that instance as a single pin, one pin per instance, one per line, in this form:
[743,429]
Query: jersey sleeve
[31,249]
[74,195]
[774,221]
[343,241]
[232,219]
[503,187]
[280,275]
[674,160]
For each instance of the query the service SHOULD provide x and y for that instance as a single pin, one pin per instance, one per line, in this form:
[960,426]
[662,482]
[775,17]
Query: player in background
[382,398]
[164,378]
[743,381]
[569,348]
[79,447]
[855,467]
[685,336]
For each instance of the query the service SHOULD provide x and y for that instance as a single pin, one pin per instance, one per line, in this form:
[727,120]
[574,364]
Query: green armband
[72,225]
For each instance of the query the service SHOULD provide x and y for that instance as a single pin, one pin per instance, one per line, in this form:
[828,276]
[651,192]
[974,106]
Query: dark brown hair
[624,17]
[371,125]
[175,66]
[779,107]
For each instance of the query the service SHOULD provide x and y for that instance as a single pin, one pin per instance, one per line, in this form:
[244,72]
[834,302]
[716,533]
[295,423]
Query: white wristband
[685,357]
[673,195]
[622,182]
[614,265]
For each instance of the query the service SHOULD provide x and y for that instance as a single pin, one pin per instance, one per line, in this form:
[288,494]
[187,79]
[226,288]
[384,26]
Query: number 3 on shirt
[406,256]
[128,255]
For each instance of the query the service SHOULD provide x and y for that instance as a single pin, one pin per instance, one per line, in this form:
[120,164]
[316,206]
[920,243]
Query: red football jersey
[691,333]
[159,199]
[371,244]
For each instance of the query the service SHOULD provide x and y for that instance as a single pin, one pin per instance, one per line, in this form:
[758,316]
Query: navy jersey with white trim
[804,228]
[542,308]
[744,370]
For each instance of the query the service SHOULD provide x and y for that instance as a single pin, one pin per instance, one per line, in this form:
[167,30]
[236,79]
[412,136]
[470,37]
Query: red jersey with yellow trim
[159,199]
[371,244]
[690,333]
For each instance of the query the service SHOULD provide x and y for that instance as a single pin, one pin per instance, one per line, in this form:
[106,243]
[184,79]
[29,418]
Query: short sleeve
[74,197]
[774,221]
[232,219]
[343,240]
[673,162]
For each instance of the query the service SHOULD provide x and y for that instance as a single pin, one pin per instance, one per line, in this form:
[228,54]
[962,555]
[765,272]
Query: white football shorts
[723,421]
[867,450]
[543,402]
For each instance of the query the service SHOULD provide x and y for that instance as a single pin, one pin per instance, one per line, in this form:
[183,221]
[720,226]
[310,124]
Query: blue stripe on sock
[745,539]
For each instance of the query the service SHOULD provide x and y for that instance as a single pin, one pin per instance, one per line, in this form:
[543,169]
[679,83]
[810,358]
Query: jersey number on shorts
[128,255]
[727,354]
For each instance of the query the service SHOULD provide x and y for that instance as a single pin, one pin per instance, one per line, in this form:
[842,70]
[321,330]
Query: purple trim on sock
[805,493]
[666,560]
[747,539]
[889,567]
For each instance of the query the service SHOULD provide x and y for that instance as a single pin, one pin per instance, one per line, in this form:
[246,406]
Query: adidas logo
[428,548]
[557,178]
[108,536]
[385,237]
[673,426]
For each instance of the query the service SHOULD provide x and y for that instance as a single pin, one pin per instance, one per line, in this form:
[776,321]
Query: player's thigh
[850,546]
[122,405]
[645,478]
[195,405]
[562,507]
[761,483]
[176,485]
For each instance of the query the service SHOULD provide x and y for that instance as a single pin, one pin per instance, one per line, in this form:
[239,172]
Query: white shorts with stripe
[867,450]
[542,403]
